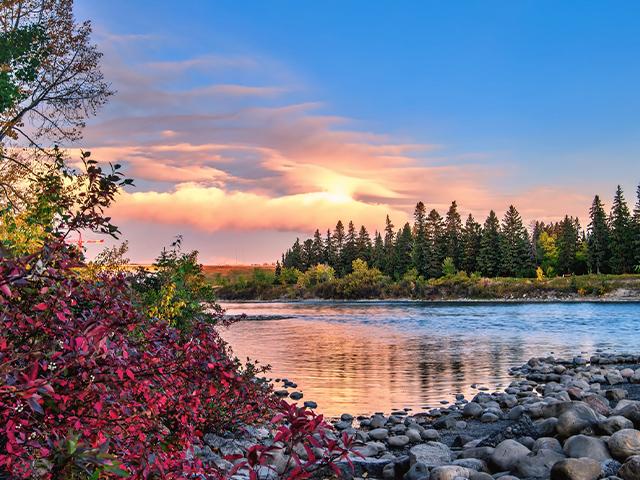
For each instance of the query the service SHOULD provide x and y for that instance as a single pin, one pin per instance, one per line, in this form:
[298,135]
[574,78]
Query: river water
[363,357]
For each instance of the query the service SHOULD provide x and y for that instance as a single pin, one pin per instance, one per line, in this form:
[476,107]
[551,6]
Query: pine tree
[420,251]
[567,244]
[598,238]
[636,232]
[453,235]
[389,248]
[363,245]
[378,252]
[338,245]
[471,236]
[277,272]
[349,251]
[404,243]
[294,259]
[516,249]
[317,249]
[489,257]
[329,251]
[621,235]
[436,245]
[307,255]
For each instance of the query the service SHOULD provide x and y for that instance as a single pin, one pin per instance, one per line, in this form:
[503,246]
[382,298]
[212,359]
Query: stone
[371,467]
[548,443]
[418,471]
[310,404]
[431,435]
[630,470]
[624,444]
[507,454]
[537,464]
[547,427]
[377,421]
[398,441]
[577,419]
[379,433]
[613,424]
[580,446]
[576,469]
[610,467]
[480,476]
[296,395]
[472,409]
[431,454]
[472,464]
[449,472]
[414,435]
[482,453]
[598,403]
[489,417]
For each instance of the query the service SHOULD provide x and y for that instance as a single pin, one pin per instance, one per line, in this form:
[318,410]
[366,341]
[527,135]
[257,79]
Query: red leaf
[41,306]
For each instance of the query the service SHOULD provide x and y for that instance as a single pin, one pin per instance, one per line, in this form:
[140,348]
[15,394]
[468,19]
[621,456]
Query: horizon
[248,126]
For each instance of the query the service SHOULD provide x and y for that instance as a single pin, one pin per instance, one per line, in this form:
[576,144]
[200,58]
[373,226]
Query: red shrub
[87,384]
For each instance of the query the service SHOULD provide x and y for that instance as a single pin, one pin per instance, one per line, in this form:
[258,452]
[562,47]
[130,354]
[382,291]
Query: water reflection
[367,357]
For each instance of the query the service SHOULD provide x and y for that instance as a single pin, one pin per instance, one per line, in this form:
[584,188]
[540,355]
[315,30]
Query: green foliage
[621,235]
[516,249]
[448,267]
[489,257]
[175,289]
[598,238]
[317,274]
[289,276]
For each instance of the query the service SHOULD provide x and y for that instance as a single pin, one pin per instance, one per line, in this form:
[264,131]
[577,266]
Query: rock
[447,421]
[449,472]
[627,372]
[379,433]
[296,395]
[389,471]
[613,424]
[576,469]
[624,444]
[537,464]
[630,470]
[507,454]
[629,409]
[398,441]
[489,417]
[431,454]
[547,443]
[372,467]
[418,471]
[610,467]
[577,419]
[598,403]
[480,476]
[430,435]
[310,404]
[472,464]
[377,421]
[472,409]
[547,427]
[482,453]
[414,435]
[580,446]
[614,377]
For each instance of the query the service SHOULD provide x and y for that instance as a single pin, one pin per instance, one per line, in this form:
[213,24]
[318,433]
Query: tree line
[435,246]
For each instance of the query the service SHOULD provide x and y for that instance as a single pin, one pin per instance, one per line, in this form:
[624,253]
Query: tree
[453,235]
[404,243]
[435,240]
[57,82]
[294,257]
[568,245]
[329,251]
[363,245]
[389,248]
[338,245]
[636,231]
[547,253]
[471,237]
[308,260]
[420,251]
[516,249]
[489,257]
[378,252]
[620,235]
[349,251]
[317,249]
[598,238]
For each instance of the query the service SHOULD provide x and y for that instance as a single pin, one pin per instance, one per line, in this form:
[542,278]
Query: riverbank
[573,419]
[459,287]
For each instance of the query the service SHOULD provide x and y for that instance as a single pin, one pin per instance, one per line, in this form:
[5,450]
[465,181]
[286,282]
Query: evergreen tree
[363,245]
[307,255]
[453,235]
[420,251]
[567,244]
[489,257]
[338,245]
[349,251]
[404,243]
[516,249]
[471,236]
[277,272]
[389,248]
[636,232]
[294,257]
[620,235]
[317,249]
[435,242]
[329,251]
[378,252]
[598,238]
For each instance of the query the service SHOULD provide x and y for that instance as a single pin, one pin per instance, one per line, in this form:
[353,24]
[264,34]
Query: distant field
[234,272]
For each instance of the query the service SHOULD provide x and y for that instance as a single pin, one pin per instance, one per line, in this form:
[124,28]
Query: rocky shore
[560,419]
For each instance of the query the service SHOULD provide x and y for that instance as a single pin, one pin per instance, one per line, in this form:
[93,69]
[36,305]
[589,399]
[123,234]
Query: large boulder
[577,419]
[580,446]
[431,454]
[611,425]
[538,464]
[507,454]
[624,444]
[418,471]
[576,469]
[472,409]
[449,472]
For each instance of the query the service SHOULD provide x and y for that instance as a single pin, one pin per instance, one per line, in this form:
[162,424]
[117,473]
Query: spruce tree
[294,259]
[489,257]
[567,244]
[516,249]
[338,245]
[404,244]
[378,252]
[307,255]
[349,251]
[453,235]
[471,236]
[620,235]
[436,244]
[329,251]
[389,248]
[363,245]
[317,249]
[420,251]
[636,232]
[598,238]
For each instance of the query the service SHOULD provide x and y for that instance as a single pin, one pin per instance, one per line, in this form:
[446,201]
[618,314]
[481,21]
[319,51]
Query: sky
[247,124]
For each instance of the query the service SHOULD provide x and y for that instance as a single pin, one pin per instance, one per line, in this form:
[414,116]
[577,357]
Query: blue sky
[535,95]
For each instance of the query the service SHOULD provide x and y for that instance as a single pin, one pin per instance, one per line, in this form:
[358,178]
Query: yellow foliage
[20,236]
[539,274]
[168,308]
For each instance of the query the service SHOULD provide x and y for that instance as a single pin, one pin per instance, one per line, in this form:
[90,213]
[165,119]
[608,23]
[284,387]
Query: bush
[315,275]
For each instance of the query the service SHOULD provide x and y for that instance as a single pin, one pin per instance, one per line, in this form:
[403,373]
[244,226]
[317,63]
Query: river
[364,357]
